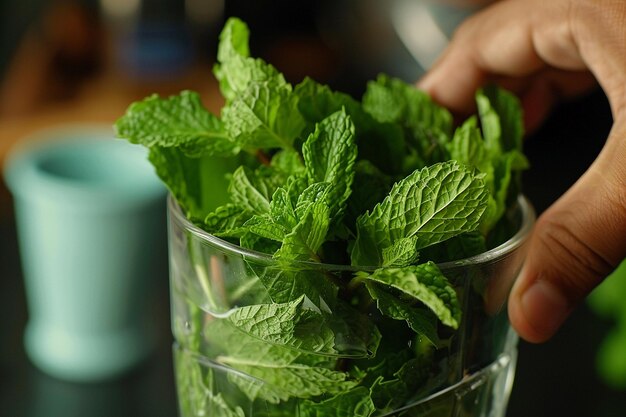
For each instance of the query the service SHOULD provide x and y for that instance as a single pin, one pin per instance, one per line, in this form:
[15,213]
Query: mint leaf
[285,283]
[281,372]
[393,393]
[283,219]
[179,121]
[434,204]
[198,397]
[227,221]
[264,115]
[288,161]
[282,324]
[427,125]
[459,247]
[300,325]
[370,186]
[264,227]
[317,101]
[329,155]
[390,99]
[419,320]
[198,183]
[424,283]
[356,335]
[235,69]
[468,147]
[219,407]
[381,143]
[487,155]
[258,243]
[501,118]
[401,253]
[304,241]
[353,403]
[249,191]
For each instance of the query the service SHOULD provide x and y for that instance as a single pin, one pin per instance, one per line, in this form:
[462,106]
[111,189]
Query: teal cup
[90,217]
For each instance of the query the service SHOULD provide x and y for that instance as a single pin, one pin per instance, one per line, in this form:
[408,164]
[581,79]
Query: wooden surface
[53,81]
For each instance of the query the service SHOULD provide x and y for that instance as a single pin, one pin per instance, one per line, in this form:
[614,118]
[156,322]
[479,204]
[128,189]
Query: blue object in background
[156,50]
[90,215]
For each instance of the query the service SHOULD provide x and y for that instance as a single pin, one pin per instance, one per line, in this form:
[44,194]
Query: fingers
[515,43]
[575,244]
[540,93]
[482,47]
[541,49]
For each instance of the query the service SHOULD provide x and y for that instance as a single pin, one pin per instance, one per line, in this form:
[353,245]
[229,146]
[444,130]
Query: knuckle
[576,265]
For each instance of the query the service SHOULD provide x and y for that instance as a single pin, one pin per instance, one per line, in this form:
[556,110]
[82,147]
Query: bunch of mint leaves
[386,184]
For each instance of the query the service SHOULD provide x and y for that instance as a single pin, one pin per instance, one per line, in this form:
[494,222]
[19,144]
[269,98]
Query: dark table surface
[553,379]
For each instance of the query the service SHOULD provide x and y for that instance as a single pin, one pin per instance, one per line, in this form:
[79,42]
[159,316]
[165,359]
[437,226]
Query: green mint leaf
[370,186]
[356,334]
[329,156]
[258,243]
[390,99]
[424,283]
[507,168]
[501,118]
[401,253]
[283,324]
[434,204]
[234,40]
[314,193]
[459,247]
[219,407]
[283,218]
[179,121]
[249,191]
[469,147]
[419,320]
[235,69]
[198,184]
[300,325]
[305,240]
[227,221]
[383,366]
[380,143]
[286,282]
[427,125]
[216,405]
[325,187]
[353,403]
[197,396]
[264,115]
[284,372]
[288,161]
[282,210]
[264,227]
[502,124]
[317,101]
[390,394]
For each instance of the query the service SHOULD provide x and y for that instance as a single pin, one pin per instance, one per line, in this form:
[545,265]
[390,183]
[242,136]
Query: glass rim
[528,217]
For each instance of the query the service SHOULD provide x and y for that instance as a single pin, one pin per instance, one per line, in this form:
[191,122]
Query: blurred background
[68,62]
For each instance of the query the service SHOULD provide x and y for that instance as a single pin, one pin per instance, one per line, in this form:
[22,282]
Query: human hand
[546,51]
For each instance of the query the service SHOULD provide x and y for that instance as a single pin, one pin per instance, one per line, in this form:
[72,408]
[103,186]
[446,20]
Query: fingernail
[545,307]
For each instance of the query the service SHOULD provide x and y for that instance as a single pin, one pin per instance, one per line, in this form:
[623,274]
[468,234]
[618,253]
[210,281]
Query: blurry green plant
[608,301]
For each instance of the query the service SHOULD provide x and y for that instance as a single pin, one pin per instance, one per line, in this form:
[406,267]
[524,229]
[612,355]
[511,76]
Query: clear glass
[210,279]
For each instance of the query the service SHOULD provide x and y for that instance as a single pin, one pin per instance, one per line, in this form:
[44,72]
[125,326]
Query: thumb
[575,243]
